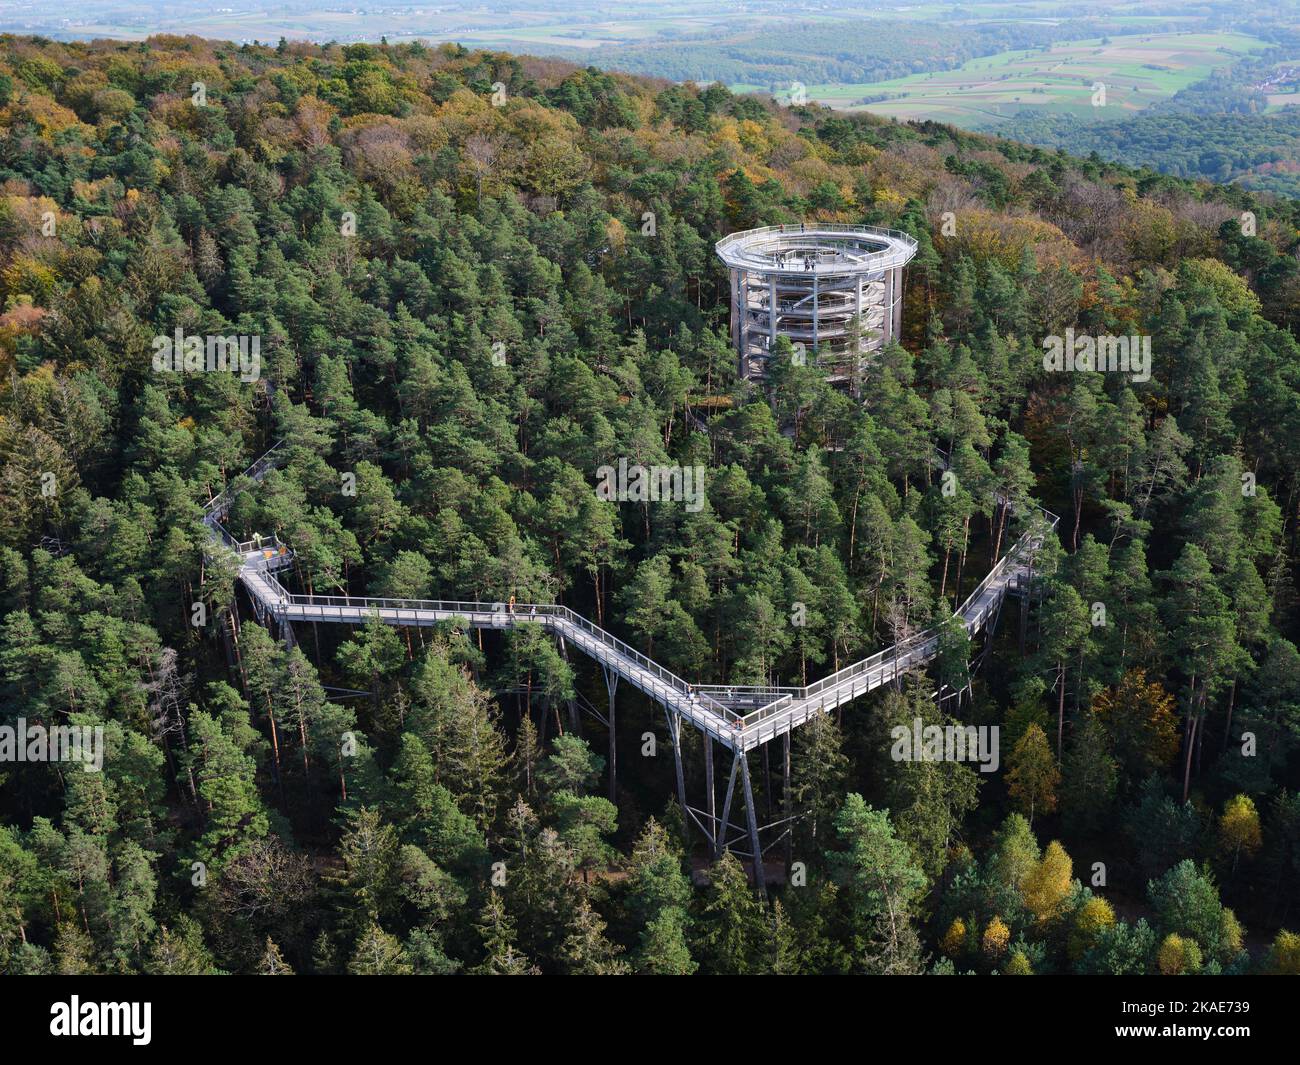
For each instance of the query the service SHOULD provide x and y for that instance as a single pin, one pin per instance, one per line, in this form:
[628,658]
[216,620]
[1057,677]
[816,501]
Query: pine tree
[655,877]
[784,953]
[73,950]
[1064,627]
[370,852]
[180,951]
[663,950]
[818,769]
[496,929]
[1089,776]
[731,931]
[586,951]
[457,723]
[527,756]
[273,963]
[571,766]
[1033,778]
[882,885]
[378,954]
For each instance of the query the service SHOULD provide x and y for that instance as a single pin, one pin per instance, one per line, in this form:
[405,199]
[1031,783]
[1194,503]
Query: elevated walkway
[739,717]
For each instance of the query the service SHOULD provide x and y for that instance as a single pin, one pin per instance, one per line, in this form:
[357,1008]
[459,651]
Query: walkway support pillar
[787,800]
[675,732]
[720,839]
[574,726]
[709,807]
[611,686]
[760,882]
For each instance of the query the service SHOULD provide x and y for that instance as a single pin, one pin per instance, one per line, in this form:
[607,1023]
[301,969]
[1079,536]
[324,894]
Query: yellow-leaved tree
[1047,886]
[954,940]
[1284,954]
[1142,721]
[1239,829]
[996,938]
[1178,956]
[1089,921]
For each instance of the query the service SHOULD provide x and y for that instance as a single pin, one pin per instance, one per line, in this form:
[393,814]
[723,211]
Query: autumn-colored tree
[1047,887]
[1178,956]
[1090,920]
[1284,954]
[953,942]
[1239,832]
[996,938]
[1141,719]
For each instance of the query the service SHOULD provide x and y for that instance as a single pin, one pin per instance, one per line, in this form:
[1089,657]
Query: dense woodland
[1218,129]
[378,800]
[1254,150]
[850,51]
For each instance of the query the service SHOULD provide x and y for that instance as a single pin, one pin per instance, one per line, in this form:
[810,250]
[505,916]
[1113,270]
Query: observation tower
[828,287]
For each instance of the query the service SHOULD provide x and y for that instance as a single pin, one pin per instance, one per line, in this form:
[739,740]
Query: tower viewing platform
[832,288]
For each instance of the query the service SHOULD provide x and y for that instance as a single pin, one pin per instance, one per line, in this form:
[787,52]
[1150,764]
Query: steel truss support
[720,836]
[675,731]
[575,725]
[611,686]
[710,810]
[787,803]
[751,814]
[1026,593]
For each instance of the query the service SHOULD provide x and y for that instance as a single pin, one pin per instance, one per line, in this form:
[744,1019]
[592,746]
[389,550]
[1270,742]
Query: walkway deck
[740,717]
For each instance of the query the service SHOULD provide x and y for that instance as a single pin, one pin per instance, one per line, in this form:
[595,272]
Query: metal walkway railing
[740,717]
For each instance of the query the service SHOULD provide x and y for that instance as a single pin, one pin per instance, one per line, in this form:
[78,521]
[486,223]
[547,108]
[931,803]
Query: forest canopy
[476,278]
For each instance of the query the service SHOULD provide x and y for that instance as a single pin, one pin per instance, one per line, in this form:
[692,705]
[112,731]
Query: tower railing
[742,250]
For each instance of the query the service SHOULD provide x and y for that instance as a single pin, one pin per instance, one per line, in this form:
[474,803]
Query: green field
[1137,71]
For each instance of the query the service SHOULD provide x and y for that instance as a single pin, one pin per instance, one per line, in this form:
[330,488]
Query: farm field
[566,28]
[1137,70]
[560,27]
